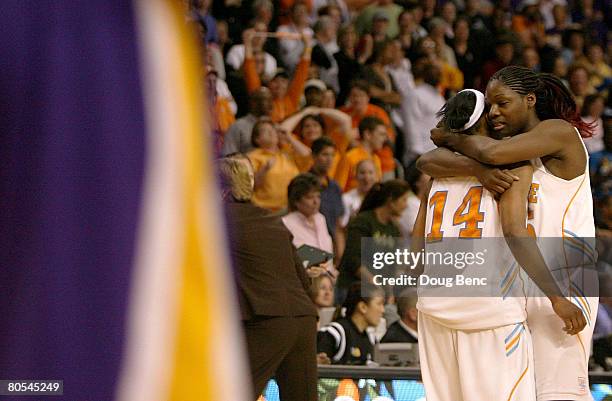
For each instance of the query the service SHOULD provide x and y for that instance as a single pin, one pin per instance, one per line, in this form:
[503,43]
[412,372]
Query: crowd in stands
[333,100]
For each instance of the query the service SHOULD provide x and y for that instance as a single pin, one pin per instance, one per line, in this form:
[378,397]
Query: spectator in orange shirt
[311,123]
[373,134]
[337,128]
[274,168]
[358,108]
[286,95]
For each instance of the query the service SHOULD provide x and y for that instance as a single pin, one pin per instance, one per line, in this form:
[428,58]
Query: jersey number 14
[467,214]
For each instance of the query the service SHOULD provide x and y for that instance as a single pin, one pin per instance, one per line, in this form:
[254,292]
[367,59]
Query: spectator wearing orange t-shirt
[311,123]
[373,134]
[274,168]
[360,107]
[286,94]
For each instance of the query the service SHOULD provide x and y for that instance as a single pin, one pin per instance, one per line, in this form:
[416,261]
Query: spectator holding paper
[306,222]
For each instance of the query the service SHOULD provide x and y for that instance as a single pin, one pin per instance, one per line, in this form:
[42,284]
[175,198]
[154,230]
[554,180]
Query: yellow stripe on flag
[203,301]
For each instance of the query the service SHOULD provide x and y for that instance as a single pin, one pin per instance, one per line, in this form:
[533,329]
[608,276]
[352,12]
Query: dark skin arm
[513,214]
[418,232]
[444,163]
[555,138]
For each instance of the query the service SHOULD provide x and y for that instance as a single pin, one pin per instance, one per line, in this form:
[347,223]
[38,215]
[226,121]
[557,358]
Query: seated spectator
[322,291]
[274,168]
[238,137]
[305,221]
[286,95]
[323,154]
[291,49]
[346,340]
[591,113]
[405,329]
[377,219]
[366,178]
[422,104]
[359,107]
[373,134]
[236,55]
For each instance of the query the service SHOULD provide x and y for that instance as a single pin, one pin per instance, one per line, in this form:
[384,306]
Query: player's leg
[496,364]
[561,361]
[437,354]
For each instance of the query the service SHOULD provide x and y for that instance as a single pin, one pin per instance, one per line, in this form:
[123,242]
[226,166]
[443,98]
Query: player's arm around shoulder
[547,138]
[444,163]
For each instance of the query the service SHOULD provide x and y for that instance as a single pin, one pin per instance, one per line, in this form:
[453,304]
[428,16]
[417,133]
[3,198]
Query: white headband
[478,109]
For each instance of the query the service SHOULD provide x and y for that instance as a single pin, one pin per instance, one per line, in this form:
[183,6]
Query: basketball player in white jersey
[561,206]
[462,338]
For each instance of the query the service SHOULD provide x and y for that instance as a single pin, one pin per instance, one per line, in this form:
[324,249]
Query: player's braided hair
[554,100]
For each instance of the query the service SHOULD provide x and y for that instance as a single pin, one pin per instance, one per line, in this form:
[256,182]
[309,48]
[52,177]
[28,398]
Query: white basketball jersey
[460,211]
[558,207]
[561,214]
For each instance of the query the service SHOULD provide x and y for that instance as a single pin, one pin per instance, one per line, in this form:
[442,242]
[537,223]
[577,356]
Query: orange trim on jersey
[472,216]
[581,344]
[565,253]
[511,281]
[565,213]
[438,201]
[517,382]
[511,343]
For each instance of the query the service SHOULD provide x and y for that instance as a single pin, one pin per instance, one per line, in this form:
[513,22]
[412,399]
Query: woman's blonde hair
[237,177]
